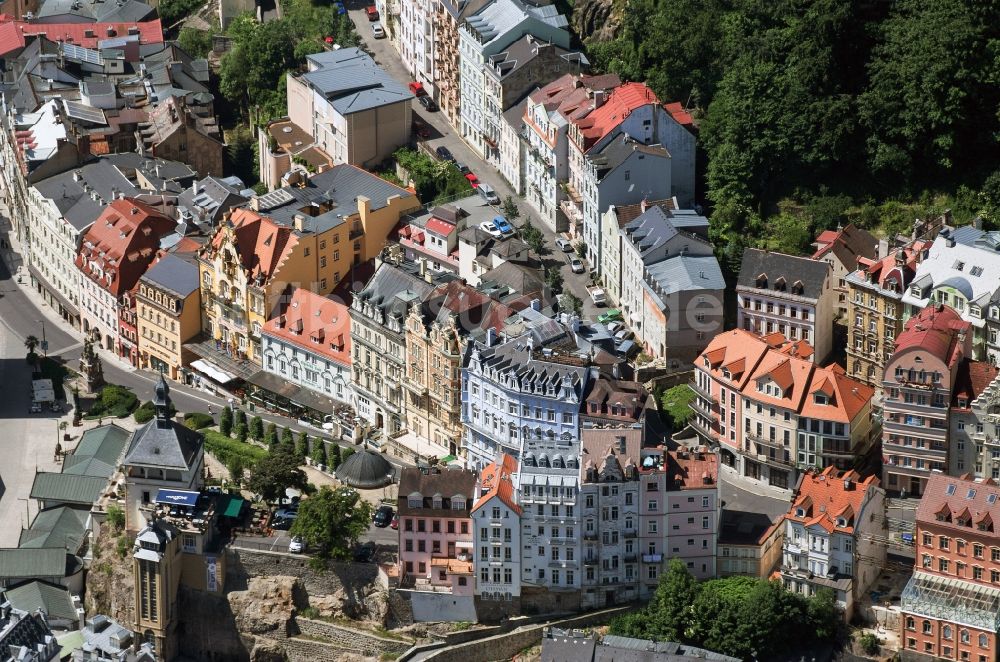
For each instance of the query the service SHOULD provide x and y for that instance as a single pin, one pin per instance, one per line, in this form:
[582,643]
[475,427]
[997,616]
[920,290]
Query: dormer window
[726,373]
[842,522]
[779,285]
[820,398]
[797,287]
[800,512]
[762,281]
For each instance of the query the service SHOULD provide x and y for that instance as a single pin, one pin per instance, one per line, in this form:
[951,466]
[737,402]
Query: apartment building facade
[793,296]
[875,310]
[513,392]
[435,531]
[168,312]
[484,34]
[378,338]
[975,421]
[918,385]
[774,414]
[835,533]
[961,269]
[114,254]
[843,249]
[950,605]
[497,556]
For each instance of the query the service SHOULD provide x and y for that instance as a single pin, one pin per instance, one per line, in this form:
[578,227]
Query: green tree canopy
[332,521]
[257,428]
[274,473]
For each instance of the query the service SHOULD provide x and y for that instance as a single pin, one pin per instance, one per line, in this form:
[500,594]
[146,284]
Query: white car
[296,546]
[492,230]
[576,264]
[564,245]
[378,31]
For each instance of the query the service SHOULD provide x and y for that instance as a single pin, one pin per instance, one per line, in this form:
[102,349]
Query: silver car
[297,545]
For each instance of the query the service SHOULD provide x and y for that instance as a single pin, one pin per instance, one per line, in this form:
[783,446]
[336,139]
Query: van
[489,195]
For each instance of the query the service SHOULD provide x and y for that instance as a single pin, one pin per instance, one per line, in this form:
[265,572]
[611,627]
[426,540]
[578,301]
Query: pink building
[435,531]
[692,509]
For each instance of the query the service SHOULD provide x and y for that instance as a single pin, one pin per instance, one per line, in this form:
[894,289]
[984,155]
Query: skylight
[951,489]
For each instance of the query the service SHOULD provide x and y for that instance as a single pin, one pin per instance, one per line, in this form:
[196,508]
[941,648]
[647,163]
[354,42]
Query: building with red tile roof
[496,520]
[918,383]
[113,255]
[951,605]
[842,249]
[834,536]
[773,412]
[15,35]
[874,308]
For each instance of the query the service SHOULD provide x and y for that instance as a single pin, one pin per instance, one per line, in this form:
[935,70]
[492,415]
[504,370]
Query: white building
[788,294]
[496,518]
[835,536]
[308,344]
[485,34]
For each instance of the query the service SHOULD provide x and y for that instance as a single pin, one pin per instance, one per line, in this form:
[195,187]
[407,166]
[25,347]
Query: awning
[212,372]
[42,391]
[298,395]
[233,508]
[177,497]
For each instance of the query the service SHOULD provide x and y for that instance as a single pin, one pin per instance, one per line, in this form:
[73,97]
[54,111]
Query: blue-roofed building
[344,109]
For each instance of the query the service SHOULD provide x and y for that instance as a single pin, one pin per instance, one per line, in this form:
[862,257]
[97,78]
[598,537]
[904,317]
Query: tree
[319,452]
[257,428]
[571,303]
[241,417]
[288,441]
[302,446]
[533,237]
[335,457]
[581,249]
[675,405]
[332,521]
[275,473]
[172,11]
[271,436]
[345,454]
[236,469]
[196,43]
[31,343]
[226,421]
[510,209]
[241,432]
[554,279]
[252,72]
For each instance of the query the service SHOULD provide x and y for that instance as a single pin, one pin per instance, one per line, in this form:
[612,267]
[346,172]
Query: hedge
[224,449]
[115,401]
[196,420]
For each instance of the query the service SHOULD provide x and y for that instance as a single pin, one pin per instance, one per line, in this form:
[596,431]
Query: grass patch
[225,449]
[197,420]
[116,401]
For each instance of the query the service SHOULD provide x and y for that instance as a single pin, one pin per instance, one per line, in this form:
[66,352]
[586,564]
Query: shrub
[319,452]
[116,518]
[257,428]
[115,401]
[226,421]
[241,432]
[196,420]
[347,452]
[870,643]
[122,546]
[145,412]
[225,449]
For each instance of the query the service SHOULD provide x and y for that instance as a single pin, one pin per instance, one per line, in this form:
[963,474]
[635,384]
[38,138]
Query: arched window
[984,641]
[910,623]
[964,636]
[946,632]
[927,627]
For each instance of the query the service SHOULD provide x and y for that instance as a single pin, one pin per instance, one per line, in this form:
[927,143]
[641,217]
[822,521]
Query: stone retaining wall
[349,638]
[241,564]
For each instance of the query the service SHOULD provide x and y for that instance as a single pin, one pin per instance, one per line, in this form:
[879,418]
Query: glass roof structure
[952,600]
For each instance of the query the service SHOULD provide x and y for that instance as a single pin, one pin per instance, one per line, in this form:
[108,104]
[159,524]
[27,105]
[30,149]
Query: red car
[417,88]
[395,522]
[372,12]
[473,180]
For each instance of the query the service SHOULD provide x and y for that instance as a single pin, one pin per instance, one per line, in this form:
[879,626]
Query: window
[964,637]
[984,641]
[926,627]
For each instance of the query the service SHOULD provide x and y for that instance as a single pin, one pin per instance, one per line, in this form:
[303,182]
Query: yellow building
[309,234]
[875,310]
[168,313]
[437,331]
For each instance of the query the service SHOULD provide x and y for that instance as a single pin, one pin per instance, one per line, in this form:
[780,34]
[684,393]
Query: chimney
[194,188]
[642,206]
[848,485]
[599,98]
[536,305]
[491,336]
[297,222]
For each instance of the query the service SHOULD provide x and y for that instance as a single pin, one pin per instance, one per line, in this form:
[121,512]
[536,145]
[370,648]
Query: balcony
[711,411]
[590,561]
[631,557]
[702,392]
[630,533]
[416,388]
[706,431]
[590,535]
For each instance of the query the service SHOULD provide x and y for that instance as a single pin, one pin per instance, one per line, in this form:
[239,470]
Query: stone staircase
[319,640]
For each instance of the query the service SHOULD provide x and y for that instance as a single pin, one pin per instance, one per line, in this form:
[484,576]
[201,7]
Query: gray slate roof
[366,470]
[811,273]
[340,186]
[55,601]
[352,82]
[683,273]
[618,150]
[215,196]
[392,290]
[31,563]
[172,447]
[173,274]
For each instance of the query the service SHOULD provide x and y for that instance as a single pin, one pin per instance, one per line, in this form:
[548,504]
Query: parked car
[297,546]
[503,225]
[444,154]
[576,264]
[394,524]
[378,31]
[372,12]
[627,348]
[615,327]
[462,168]
[597,295]
[489,194]
[610,316]
[282,524]
[383,516]
[36,408]
[417,88]
[427,103]
[564,245]
[623,335]
[473,180]
[490,229]
[365,553]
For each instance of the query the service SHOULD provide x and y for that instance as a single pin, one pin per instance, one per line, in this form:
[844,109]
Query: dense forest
[813,112]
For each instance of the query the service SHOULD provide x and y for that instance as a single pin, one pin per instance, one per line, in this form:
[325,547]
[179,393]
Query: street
[444,134]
